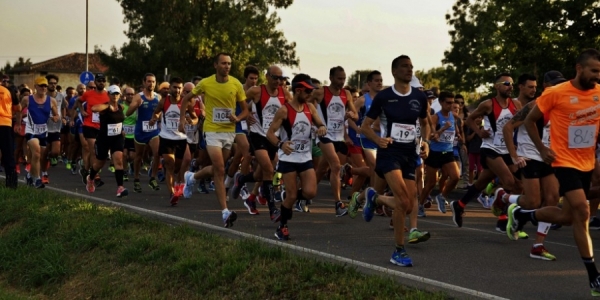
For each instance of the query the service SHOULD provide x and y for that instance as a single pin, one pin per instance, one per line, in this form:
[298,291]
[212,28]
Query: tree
[184,36]
[517,36]
[21,62]
[358,78]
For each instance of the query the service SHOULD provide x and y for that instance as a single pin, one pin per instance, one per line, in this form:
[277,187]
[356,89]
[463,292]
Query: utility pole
[87,59]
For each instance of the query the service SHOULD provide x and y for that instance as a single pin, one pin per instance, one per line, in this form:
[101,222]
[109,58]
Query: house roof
[70,63]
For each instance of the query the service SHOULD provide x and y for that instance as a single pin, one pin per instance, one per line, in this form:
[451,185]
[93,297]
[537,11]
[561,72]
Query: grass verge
[53,246]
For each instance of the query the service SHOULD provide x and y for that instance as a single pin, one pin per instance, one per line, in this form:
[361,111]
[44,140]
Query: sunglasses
[275,77]
[460,102]
[100,80]
[52,83]
[91,87]
[308,91]
[449,103]
[505,83]
[43,86]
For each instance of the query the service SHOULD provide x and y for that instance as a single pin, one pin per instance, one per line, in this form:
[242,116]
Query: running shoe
[282,233]
[275,215]
[340,209]
[45,179]
[153,184]
[498,206]
[251,206]
[174,199]
[188,188]
[353,205]
[234,192]
[90,186]
[137,186]
[401,258]
[229,217]
[370,204]
[421,213]
[122,192]
[540,252]
[457,213]
[39,184]
[512,226]
[416,236]
[441,202]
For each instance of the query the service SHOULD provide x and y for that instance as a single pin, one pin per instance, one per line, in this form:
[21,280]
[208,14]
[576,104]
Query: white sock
[412,229]
[513,198]
[44,173]
[537,245]
[543,228]
[228,180]
[225,210]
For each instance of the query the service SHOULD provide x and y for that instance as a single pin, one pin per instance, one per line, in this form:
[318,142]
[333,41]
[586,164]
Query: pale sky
[352,33]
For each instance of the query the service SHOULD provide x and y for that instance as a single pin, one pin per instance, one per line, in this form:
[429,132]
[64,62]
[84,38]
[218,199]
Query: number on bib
[499,140]
[582,136]
[172,123]
[302,146]
[95,117]
[147,128]
[403,133]
[40,129]
[114,129]
[221,115]
[546,136]
[244,125]
[335,125]
[267,120]
[447,137]
[129,129]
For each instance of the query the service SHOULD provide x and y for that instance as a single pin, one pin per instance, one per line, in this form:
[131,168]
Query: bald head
[274,70]
[187,88]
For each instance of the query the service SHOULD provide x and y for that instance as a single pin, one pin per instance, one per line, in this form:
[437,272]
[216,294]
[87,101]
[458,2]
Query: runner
[538,177]
[333,107]
[146,131]
[295,120]
[173,144]
[221,93]
[441,155]
[52,151]
[65,131]
[495,160]
[266,100]
[40,107]
[91,122]
[574,111]
[192,131]
[129,130]
[9,105]
[399,107]
[109,139]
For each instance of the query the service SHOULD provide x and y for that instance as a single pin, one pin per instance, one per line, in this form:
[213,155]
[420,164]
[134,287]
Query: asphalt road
[475,257]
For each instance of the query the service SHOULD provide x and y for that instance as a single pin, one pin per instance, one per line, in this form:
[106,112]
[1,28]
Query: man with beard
[334,105]
[574,111]
[537,176]
[266,99]
[221,93]
[294,142]
[495,160]
[52,151]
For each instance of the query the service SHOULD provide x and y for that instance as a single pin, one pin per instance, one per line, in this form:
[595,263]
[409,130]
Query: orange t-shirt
[5,107]
[574,115]
[92,98]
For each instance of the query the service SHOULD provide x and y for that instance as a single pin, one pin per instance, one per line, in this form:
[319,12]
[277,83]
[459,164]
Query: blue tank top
[41,113]
[362,112]
[446,140]
[144,114]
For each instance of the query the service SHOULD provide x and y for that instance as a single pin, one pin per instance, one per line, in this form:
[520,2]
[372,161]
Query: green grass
[53,246]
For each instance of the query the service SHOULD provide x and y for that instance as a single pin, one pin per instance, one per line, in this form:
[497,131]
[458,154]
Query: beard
[587,84]
[506,94]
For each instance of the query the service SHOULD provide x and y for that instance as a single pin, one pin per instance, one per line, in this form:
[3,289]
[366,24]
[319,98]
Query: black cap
[554,77]
[197,78]
[115,81]
[302,80]
[100,76]
[429,94]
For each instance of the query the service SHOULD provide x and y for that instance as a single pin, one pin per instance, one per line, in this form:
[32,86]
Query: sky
[354,34]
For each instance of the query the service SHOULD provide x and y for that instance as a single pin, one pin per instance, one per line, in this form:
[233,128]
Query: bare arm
[531,127]
[280,115]
[351,112]
[425,129]
[483,109]
[315,116]
[54,107]
[509,129]
[158,111]
[135,104]
[99,107]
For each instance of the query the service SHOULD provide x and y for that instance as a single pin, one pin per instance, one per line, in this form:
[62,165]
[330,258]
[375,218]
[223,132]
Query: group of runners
[391,145]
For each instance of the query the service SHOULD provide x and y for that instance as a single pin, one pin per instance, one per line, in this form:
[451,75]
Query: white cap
[414,82]
[114,89]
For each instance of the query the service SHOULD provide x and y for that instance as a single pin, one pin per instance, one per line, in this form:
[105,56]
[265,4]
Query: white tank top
[297,128]
[169,127]
[56,126]
[332,110]
[525,146]
[264,111]
[494,122]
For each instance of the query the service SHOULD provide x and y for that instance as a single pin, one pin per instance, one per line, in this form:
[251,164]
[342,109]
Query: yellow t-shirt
[220,100]
[5,107]
[574,116]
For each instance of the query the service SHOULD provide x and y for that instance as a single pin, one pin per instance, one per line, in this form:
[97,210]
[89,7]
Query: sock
[543,228]
[119,177]
[286,214]
[266,189]
[247,178]
[526,215]
[590,266]
[502,218]
[471,194]
[225,210]
[399,248]
[44,173]
[251,198]
[412,229]
[513,198]
[228,180]
[92,173]
[300,196]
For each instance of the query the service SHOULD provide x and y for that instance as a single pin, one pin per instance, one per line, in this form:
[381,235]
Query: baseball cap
[554,77]
[414,82]
[100,76]
[302,81]
[114,89]
[429,94]
[41,81]
[163,85]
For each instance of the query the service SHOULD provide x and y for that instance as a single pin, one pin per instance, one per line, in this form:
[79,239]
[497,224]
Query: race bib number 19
[582,136]
[403,133]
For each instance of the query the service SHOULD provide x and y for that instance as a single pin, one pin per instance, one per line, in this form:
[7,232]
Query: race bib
[499,139]
[221,115]
[172,123]
[335,125]
[147,128]
[302,146]
[39,129]
[313,132]
[190,128]
[129,129]
[114,129]
[95,117]
[447,137]
[267,120]
[582,136]
[403,133]
[244,125]
[546,136]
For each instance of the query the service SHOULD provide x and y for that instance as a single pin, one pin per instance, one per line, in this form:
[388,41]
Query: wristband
[279,144]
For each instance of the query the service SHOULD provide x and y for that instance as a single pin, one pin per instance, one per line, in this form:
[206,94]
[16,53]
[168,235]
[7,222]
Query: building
[67,68]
